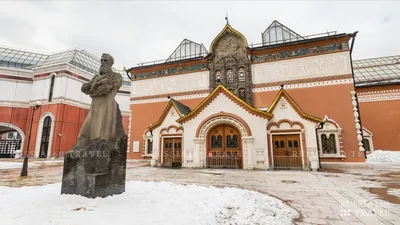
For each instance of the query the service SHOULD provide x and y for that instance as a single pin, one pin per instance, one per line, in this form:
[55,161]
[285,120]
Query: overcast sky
[134,31]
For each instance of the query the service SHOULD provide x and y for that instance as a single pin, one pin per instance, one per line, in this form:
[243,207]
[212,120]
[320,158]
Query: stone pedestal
[97,170]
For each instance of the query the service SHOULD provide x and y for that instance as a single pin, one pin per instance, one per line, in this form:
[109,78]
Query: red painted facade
[67,124]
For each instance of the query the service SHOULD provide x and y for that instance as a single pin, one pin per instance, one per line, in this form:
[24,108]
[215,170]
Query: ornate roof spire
[226,18]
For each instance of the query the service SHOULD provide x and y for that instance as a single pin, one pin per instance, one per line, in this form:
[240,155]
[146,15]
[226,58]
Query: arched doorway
[224,147]
[44,141]
[11,139]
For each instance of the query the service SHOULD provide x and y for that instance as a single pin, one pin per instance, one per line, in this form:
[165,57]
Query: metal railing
[228,162]
[287,162]
[8,148]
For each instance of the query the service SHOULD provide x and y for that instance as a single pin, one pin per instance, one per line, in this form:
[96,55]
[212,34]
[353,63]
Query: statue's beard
[104,70]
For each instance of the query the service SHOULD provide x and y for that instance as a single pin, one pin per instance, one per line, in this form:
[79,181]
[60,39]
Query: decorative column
[199,153]
[129,131]
[357,121]
[248,152]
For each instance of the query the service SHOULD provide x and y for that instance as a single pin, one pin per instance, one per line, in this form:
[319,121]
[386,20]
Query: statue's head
[106,63]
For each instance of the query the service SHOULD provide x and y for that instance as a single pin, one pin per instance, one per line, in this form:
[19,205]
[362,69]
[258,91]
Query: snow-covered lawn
[142,203]
[380,156]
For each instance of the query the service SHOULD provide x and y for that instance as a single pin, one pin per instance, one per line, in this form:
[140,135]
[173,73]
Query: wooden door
[224,146]
[172,152]
[287,151]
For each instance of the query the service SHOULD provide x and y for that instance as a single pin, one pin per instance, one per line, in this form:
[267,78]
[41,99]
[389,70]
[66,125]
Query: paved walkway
[356,195]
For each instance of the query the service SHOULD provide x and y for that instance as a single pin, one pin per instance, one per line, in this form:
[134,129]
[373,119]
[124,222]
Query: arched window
[218,77]
[282,144]
[328,138]
[242,94]
[235,141]
[296,144]
[229,76]
[290,144]
[216,142]
[276,144]
[228,141]
[44,141]
[51,87]
[328,144]
[242,75]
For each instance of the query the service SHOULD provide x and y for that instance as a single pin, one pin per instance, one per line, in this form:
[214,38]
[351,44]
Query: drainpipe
[316,133]
[353,35]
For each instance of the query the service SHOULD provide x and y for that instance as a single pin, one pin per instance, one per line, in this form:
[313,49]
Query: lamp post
[24,171]
[316,132]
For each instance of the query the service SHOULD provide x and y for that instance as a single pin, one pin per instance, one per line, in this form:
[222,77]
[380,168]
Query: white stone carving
[384,95]
[304,85]
[165,99]
[357,121]
[136,146]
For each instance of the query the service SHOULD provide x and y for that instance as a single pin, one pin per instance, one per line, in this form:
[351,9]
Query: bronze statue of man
[100,123]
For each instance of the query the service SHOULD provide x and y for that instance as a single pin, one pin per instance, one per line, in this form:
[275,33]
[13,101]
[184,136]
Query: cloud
[135,32]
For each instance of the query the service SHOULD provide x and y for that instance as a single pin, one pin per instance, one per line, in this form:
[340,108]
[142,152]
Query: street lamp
[24,171]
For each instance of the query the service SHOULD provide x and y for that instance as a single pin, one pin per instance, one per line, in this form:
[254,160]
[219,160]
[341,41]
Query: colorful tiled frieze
[172,71]
[301,52]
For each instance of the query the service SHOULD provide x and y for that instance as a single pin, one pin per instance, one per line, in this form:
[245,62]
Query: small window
[149,146]
[296,144]
[169,145]
[235,141]
[276,144]
[282,144]
[242,75]
[218,77]
[328,144]
[366,144]
[229,76]
[179,145]
[175,145]
[228,141]
[51,88]
[242,94]
[290,144]
[166,145]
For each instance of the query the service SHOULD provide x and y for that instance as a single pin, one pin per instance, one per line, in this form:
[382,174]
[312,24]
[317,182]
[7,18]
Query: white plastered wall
[254,148]
[302,68]
[284,110]
[15,93]
[170,84]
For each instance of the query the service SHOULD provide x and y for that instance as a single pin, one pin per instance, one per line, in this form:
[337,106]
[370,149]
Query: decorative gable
[283,99]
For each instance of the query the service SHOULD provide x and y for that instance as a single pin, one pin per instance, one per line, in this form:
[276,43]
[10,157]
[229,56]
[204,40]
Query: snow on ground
[380,156]
[12,165]
[142,203]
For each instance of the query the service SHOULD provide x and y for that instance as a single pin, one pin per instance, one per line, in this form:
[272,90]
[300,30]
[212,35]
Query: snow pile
[142,203]
[380,156]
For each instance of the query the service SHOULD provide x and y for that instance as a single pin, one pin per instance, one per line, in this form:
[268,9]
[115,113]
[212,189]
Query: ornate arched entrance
[224,147]
[239,127]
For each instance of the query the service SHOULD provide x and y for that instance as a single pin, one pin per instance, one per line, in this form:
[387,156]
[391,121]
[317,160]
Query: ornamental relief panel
[229,45]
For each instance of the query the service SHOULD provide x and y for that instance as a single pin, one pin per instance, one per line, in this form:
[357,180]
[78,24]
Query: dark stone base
[96,170]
